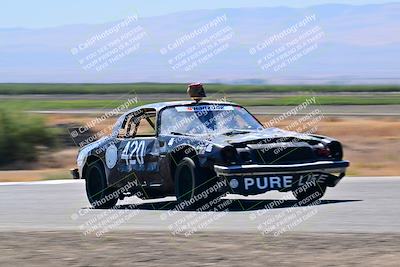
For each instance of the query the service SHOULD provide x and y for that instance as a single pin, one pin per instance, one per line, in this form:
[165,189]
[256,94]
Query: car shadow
[236,205]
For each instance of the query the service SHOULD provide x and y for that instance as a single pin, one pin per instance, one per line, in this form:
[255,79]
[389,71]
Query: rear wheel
[309,193]
[194,187]
[99,194]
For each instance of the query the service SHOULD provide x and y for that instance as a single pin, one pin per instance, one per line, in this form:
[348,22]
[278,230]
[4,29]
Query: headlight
[336,150]
[322,151]
[229,154]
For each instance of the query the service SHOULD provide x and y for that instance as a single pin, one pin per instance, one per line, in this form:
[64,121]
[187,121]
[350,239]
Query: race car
[199,150]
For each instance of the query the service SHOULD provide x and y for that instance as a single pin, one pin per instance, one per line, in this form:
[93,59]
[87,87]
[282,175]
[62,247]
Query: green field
[140,88]
[281,101]
[304,91]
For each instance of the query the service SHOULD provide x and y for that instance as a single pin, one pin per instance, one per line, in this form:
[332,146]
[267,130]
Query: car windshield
[207,119]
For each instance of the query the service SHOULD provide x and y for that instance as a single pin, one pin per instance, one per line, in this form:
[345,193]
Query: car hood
[265,135]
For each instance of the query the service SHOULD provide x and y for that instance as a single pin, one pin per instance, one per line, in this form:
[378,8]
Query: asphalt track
[357,204]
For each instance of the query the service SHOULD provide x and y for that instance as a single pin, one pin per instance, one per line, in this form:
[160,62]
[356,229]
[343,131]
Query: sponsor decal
[111,156]
[271,182]
[313,177]
[204,108]
[278,182]
[234,183]
[209,148]
[171,141]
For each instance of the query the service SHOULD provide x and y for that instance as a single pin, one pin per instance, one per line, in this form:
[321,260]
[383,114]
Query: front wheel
[195,188]
[99,194]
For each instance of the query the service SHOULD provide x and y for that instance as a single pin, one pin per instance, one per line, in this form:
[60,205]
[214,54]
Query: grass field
[37,88]
[280,101]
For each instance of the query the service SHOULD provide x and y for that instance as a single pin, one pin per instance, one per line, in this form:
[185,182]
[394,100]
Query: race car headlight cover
[229,154]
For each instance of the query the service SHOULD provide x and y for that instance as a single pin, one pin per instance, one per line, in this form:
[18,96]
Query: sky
[50,13]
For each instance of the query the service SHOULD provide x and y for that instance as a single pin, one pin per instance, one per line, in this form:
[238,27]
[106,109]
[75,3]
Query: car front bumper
[256,179]
[255,169]
[74,173]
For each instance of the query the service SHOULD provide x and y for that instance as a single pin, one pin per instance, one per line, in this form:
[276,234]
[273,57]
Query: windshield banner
[204,108]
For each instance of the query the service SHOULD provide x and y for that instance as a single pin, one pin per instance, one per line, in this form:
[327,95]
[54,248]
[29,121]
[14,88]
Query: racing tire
[311,194]
[98,193]
[190,184]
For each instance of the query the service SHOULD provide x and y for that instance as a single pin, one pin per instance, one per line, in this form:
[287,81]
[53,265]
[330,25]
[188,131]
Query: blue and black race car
[198,150]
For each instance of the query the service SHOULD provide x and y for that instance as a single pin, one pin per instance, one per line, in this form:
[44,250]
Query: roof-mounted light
[196,91]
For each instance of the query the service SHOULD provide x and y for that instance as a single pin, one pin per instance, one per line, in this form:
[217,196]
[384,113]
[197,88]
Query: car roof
[160,105]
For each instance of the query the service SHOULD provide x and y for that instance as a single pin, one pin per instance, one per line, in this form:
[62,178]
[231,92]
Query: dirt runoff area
[203,249]
[372,144]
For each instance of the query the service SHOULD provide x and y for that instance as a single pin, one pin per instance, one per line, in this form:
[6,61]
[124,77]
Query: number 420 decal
[137,149]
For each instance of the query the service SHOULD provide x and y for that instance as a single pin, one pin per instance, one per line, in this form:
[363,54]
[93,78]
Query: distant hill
[360,45]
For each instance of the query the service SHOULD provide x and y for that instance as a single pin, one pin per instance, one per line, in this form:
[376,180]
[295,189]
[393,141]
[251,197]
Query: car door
[138,148]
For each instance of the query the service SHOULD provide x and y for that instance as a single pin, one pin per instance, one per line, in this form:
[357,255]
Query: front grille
[283,153]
